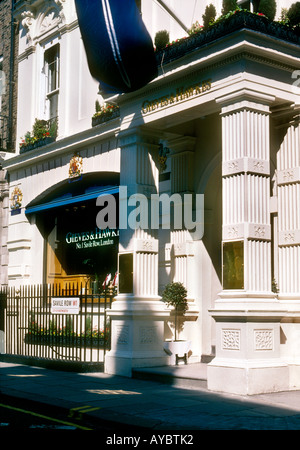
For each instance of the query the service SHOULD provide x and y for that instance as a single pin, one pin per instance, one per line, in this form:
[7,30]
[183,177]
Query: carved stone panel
[263,339]
[231,339]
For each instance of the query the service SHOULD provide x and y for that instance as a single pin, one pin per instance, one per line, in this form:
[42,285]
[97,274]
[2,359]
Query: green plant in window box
[104,113]
[43,132]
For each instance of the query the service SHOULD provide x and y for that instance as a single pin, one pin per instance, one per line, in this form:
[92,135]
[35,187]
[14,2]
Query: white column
[288,190]
[138,314]
[247,314]
[182,182]
[288,204]
[182,242]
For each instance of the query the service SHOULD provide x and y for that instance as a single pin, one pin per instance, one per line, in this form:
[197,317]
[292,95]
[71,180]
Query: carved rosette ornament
[52,19]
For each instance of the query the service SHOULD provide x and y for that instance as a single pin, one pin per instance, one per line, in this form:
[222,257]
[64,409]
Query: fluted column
[247,314]
[182,182]
[138,314]
[246,196]
[287,250]
[288,192]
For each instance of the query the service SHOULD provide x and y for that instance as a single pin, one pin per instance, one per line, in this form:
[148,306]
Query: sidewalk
[180,402]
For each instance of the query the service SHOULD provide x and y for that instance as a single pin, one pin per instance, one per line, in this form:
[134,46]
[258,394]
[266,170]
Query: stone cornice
[63,146]
[197,63]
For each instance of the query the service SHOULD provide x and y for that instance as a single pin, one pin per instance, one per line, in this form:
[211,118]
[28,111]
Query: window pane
[52,68]
[233,265]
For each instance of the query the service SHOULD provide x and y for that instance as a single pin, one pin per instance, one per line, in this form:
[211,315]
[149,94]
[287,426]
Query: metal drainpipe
[172,14]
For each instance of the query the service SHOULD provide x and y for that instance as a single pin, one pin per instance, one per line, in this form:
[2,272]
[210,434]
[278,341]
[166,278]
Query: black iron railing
[49,322]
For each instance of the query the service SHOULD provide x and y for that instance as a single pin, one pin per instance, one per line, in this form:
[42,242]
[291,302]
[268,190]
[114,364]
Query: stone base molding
[248,358]
[137,335]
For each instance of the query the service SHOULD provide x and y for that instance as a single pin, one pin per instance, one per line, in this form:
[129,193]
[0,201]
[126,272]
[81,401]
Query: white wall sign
[68,305]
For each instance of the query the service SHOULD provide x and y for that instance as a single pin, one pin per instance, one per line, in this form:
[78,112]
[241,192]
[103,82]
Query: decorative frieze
[246,165]
[183,249]
[290,237]
[231,339]
[288,176]
[148,335]
[146,245]
[247,231]
[122,334]
[264,339]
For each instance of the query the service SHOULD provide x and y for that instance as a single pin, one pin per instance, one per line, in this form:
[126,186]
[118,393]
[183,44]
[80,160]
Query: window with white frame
[51,67]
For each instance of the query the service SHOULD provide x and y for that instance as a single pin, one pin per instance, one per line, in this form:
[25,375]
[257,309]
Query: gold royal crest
[16,198]
[75,168]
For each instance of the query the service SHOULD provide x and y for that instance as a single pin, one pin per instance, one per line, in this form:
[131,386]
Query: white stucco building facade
[226,106]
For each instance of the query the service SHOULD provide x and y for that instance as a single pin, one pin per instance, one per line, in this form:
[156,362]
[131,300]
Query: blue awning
[68,199]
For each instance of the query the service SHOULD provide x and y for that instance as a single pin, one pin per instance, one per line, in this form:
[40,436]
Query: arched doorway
[75,249]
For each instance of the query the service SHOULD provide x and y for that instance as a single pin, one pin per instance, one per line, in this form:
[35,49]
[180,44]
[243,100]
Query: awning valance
[68,199]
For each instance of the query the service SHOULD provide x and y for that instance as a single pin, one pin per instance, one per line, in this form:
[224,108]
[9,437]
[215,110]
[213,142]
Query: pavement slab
[152,404]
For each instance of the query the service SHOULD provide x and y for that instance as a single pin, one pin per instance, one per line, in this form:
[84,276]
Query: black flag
[119,49]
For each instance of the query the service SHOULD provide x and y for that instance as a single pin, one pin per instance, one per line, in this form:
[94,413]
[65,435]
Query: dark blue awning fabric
[119,49]
[68,199]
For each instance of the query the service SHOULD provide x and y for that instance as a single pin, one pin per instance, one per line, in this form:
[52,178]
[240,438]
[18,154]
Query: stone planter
[177,350]
[37,144]
[105,117]
[65,341]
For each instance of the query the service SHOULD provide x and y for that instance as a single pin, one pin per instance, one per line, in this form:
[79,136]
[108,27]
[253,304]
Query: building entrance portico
[246,314]
[217,132]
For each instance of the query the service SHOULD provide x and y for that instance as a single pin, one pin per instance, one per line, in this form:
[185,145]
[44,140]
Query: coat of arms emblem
[16,199]
[75,168]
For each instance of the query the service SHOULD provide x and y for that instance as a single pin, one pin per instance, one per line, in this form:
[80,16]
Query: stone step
[191,376]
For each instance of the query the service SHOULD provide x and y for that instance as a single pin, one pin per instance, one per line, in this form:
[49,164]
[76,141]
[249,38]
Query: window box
[65,341]
[44,132]
[104,114]
[233,21]
[39,143]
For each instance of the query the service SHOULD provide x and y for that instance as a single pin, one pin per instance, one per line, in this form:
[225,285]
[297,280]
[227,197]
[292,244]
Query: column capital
[182,144]
[134,136]
[245,99]
[286,115]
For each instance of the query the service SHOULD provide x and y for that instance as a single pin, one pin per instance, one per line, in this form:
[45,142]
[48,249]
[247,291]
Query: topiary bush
[162,38]
[268,8]
[209,15]
[175,294]
[293,14]
[229,5]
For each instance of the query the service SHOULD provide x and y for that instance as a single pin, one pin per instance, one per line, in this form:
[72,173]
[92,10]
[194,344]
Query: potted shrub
[162,38]
[175,295]
[293,14]
[209,16]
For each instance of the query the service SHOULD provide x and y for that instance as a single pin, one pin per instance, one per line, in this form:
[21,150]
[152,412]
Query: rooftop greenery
[226,24]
